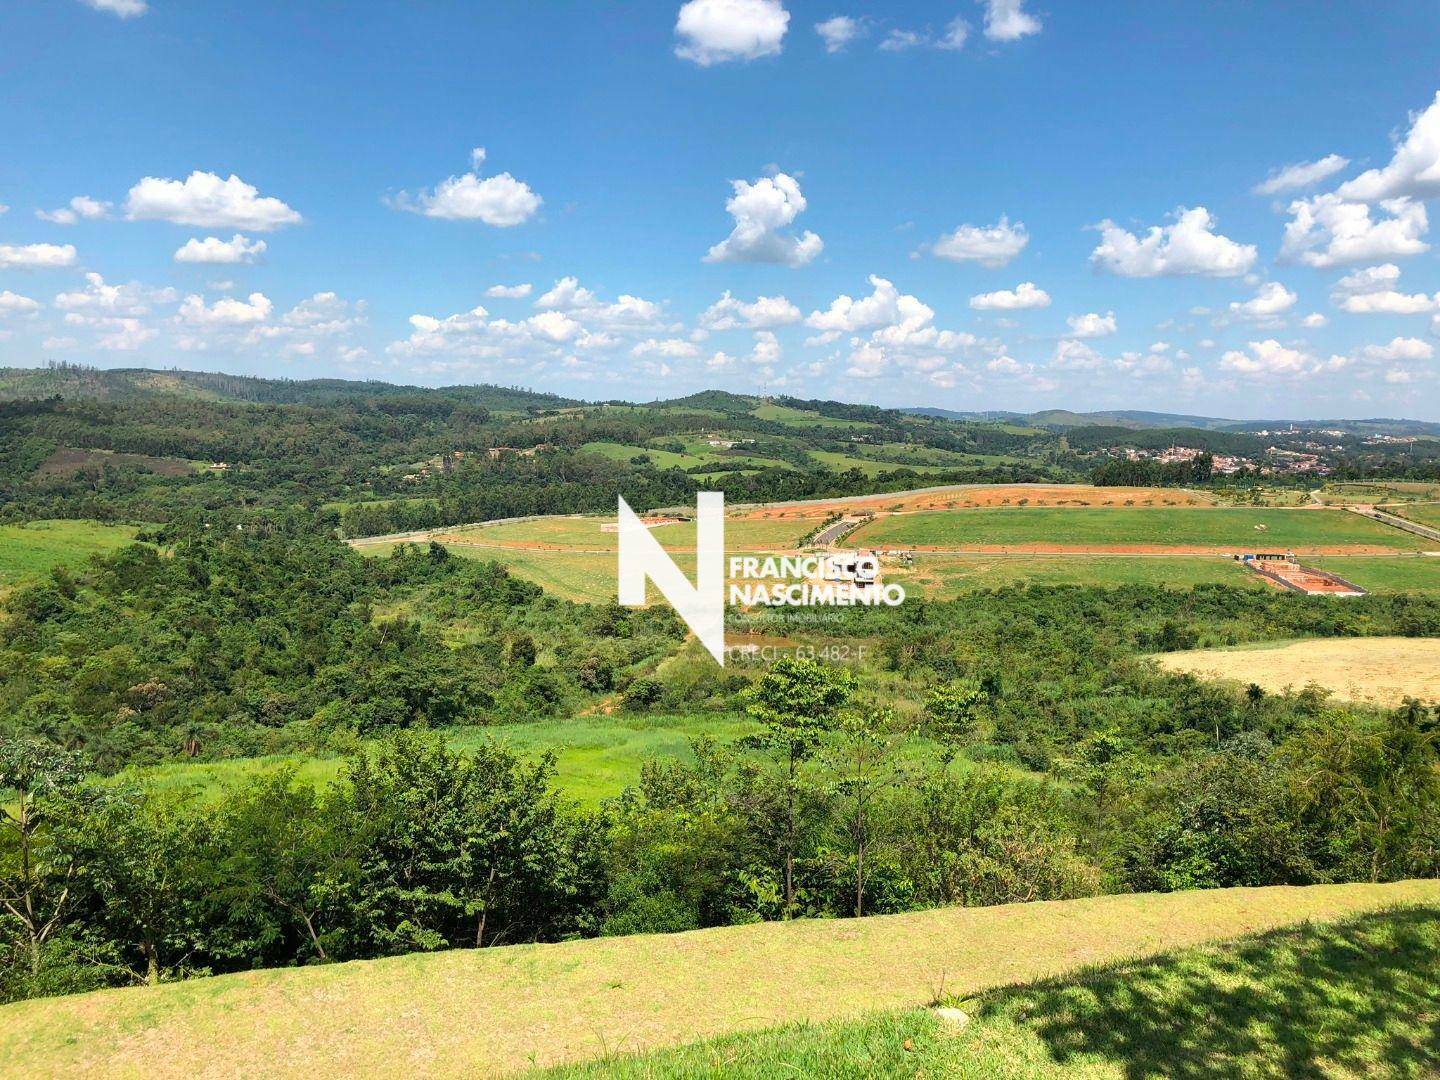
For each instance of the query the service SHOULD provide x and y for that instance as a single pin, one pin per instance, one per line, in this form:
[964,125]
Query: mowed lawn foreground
[504,1010]
[1355,998]
[1198,529]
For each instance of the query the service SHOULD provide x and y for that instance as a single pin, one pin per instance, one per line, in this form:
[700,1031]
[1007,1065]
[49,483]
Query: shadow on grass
[1359,997]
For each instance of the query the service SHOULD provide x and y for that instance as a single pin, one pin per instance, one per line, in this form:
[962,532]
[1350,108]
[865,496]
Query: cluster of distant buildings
[444,464]
[1276,460]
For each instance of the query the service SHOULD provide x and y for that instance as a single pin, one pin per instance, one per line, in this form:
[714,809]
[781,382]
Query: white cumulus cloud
[36,256]
[238,249]
[839,31]
[1375,291]
[1092,325]
[1006,20]
[717,31]
[1023,297]
[100,298]
[762,210]
[15,304]
[80,208]
[765,313]
[125,9]
[205,201]
[1300,175]
[225,312]
[509,292]
[1269,358]
[500,200]
[1329,231]
[989,245]
[883,307]
[1188,246]
[1270,300]
[1415,168]
[670,348]
[1399,350]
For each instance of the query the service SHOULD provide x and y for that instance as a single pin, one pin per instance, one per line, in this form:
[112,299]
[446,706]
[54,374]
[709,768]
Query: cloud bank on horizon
[1298,279]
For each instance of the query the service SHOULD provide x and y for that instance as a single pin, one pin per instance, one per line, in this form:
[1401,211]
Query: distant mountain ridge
[135,384]
[1140,419]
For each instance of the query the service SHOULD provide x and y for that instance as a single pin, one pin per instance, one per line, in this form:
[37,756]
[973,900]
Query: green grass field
[1355,998]
[502,1010]
[783,414]
[1202,528]
[1382,574]
[945,576]
[597,757]
[28,551]
[661,459]
[868,466]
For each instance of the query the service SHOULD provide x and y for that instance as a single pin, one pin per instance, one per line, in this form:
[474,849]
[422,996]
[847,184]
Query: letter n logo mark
[701,606]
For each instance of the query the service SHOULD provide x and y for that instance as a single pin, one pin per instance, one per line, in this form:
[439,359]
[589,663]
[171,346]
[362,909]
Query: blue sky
[973,204]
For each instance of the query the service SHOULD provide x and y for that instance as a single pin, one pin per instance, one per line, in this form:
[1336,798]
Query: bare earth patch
[964,497]
[1376,670]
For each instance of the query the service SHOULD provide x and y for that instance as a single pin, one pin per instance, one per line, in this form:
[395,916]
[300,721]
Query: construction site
[1284,571]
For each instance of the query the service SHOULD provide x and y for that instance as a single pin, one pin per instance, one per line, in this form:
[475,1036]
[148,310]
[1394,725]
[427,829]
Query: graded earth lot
[1376,670]
[1138,530]
[495,1011]
[976,496]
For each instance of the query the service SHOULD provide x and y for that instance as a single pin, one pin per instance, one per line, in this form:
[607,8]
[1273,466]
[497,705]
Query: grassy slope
[1203,528]
[1424,513]
[1353,999]
[503,1010]
[27,551]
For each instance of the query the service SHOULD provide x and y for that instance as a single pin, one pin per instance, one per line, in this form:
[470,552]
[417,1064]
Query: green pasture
[596,756]
[1239,528]
[28,551]
[944,576]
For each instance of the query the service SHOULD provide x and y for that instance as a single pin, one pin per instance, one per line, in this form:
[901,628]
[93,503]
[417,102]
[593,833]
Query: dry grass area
[979,496]
[1377,670]
[499,1011]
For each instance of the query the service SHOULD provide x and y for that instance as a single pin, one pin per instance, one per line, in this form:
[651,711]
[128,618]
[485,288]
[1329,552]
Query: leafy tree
[796,702]
[290,851]
[864,761]
[35,875]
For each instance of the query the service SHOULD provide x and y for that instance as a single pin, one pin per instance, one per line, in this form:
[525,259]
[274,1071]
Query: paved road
[834,531]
